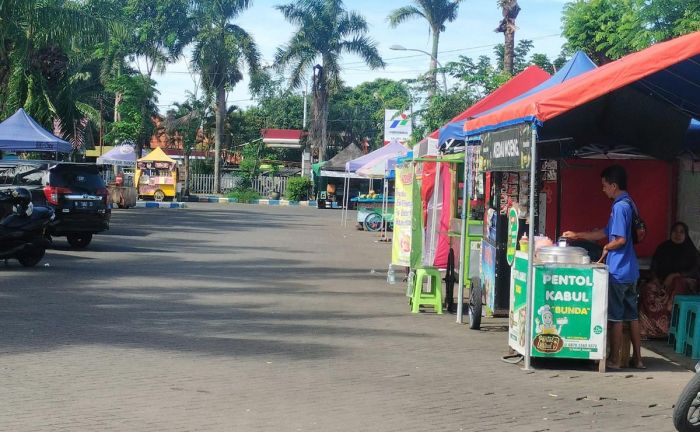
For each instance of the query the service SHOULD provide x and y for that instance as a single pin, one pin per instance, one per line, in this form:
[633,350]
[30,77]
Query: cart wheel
[159,195]
[373,222]
[475,304]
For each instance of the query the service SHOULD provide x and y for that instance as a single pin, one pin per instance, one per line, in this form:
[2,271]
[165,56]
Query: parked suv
[76,192]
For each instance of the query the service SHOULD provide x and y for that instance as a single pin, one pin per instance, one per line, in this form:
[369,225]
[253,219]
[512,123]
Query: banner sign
[507,149]
[569,312]
[513,228]
[397,126]
[517,324]
[403,214]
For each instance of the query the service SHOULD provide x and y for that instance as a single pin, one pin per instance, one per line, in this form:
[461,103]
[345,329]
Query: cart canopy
[645,100]
[394,148]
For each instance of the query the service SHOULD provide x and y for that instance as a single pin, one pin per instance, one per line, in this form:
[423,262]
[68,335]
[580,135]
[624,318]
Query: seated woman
[675,270]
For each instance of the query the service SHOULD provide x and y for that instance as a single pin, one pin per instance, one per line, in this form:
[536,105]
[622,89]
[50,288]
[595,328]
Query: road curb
[223,200]
[153,204]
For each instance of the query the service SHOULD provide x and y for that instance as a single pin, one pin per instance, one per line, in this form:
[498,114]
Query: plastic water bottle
[391,275]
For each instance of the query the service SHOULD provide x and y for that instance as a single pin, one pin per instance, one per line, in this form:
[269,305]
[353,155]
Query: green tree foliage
[437,13]
[138,96]
[221,52]
[609,29]
[325,31]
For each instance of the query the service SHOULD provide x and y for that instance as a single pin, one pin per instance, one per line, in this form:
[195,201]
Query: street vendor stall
[122,190]
[156,176]
[644,101]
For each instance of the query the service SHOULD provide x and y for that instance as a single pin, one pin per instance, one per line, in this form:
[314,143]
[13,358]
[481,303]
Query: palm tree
[220,52]
[43,64]
[325,31]
[436,13]
[510,9]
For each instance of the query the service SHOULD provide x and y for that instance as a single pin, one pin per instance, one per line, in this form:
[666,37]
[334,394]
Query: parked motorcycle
[23,230]
[686,413]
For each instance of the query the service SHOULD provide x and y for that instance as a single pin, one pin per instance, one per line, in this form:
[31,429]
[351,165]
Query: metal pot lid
[562,251]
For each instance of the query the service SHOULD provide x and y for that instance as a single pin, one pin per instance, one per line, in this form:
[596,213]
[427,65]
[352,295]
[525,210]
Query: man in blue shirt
[622,264]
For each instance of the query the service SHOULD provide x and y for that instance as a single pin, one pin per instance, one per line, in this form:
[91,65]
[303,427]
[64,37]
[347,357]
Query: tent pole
[343,212]
[463,239]
[531,249]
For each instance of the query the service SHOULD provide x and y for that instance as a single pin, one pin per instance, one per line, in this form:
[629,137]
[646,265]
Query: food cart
[122,158]
[156,176]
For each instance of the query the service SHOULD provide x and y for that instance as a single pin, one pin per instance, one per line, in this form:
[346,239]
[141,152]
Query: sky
[471,34]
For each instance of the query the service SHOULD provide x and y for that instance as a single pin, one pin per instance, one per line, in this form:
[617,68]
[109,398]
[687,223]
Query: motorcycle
[686,412]
[23,230]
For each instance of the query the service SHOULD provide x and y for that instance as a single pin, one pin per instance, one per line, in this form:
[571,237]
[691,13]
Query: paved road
[254,318]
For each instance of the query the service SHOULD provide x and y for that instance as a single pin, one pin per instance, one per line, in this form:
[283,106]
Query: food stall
[607,109]
[122,158]
[156,176]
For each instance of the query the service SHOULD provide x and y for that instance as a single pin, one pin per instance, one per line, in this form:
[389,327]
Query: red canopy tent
[529,78]
[669,66]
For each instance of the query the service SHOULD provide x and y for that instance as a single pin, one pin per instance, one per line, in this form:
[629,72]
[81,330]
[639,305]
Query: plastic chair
[677,330]
[692,334]
[433,297]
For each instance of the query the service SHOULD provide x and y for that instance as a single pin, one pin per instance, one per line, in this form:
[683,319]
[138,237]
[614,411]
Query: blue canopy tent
[577,65]
[20,132]
[692,137]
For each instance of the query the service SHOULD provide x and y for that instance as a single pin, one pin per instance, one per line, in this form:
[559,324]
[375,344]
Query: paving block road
[228,317]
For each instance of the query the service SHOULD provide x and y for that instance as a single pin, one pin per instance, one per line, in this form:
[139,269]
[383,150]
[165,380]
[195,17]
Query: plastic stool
[692,334]
[432,297]
[677,329]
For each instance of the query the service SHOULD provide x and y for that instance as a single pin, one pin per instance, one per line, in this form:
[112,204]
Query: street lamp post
[403,48]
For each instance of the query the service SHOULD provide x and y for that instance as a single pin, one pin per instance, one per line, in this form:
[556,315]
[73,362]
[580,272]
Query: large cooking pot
[562,255]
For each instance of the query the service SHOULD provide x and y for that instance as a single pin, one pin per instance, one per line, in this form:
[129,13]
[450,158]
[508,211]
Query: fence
[204,183]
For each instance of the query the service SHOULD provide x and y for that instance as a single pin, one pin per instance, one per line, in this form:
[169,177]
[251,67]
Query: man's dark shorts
[622,302]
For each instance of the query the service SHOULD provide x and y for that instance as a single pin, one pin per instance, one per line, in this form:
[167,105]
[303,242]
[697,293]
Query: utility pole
[101,131]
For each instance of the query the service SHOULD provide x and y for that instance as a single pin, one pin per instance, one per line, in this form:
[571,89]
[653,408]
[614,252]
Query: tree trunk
[118,96]
[433,64]
[509,48]
[319,113]
[186,191]
[219,134]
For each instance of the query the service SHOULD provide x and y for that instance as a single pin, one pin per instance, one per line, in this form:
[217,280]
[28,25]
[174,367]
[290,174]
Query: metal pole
[530,249]
[463,240]
[303,125]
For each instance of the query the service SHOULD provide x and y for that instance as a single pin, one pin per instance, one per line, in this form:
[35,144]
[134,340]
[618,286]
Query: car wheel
[79,240]
[31,257]
[159,195]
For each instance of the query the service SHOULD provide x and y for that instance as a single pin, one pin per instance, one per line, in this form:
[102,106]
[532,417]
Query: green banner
[517,324]
[569,312]
[512,242]
[507,149]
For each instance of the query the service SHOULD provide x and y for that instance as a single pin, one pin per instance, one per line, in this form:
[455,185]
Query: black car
[76,192]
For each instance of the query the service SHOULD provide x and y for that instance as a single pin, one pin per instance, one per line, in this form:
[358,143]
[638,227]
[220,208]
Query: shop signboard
[403,215]
[397,126]
[507,149]
[569,311]
[517,324]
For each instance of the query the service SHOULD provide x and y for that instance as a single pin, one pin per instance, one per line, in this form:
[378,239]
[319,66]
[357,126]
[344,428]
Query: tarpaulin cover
[123,155]
[337,162]
[393,148]
[668,72]
[20,132]
[522,82]
[578,64]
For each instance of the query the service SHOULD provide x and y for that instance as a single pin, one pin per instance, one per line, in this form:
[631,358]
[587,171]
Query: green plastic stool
[677,330]
[432,297]
[692,333]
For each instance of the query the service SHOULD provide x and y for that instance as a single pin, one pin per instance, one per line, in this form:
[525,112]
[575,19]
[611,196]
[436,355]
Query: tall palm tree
[222,49]
[325,31]
[436,13]
[510,9]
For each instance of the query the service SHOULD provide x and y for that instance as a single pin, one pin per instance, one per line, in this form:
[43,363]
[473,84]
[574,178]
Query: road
[257,318]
